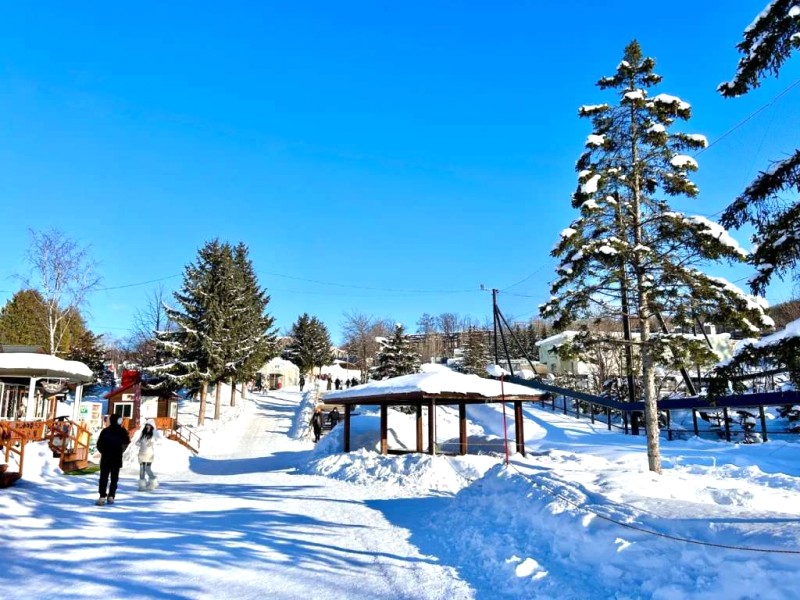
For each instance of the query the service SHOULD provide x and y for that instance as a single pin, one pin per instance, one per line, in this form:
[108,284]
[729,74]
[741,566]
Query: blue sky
[376,157]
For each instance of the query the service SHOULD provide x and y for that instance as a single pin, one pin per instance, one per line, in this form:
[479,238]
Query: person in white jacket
[146,443]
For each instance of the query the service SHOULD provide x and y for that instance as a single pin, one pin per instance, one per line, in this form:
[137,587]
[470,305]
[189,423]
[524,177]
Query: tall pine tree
[196,345]
[396,357]
[310,344]
[770,203]
[629,256]
[476,353]
[251,339]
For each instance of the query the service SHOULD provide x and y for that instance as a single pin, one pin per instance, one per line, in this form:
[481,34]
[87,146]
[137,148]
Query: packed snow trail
[237,524]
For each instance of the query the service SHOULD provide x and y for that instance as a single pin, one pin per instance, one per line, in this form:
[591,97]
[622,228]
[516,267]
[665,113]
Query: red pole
[505,427]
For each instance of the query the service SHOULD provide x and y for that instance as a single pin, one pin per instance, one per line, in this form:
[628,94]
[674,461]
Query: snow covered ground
[263,512]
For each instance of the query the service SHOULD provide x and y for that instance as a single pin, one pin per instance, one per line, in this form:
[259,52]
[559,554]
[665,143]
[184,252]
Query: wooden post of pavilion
[384,428]
[419,426]
[462,428]
[431,432]
[347,427]
[519,427]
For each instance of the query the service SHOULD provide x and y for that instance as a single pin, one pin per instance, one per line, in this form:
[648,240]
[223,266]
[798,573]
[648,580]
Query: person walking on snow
[147,443]
[333,417]
[316,423]
[302,382]
[111,443]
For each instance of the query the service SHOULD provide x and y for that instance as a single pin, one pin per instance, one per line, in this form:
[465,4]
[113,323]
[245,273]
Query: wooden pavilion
[437,386]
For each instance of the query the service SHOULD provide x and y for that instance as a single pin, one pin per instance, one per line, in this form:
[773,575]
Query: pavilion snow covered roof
[43,366]
[435,381]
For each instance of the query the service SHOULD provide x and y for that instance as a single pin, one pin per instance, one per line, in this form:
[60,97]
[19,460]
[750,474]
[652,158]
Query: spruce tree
[23,320]
[310,344]
[476,353]
[195,346]
[251,339]
[629,256]
[770,202]
[767,44]
[396,357]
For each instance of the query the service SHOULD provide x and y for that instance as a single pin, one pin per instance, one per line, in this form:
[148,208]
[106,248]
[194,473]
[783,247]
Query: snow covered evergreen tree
[195,346]
[477,353]
[251,337]
[310,345]
[770,203]
[628,256]
[396,357]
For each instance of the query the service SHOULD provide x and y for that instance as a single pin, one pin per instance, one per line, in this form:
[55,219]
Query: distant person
[316,423]
[346,383]
[302,382]
[147,450]
[333,417]
[111,443]
[355,382]
[329,383]
[338,383]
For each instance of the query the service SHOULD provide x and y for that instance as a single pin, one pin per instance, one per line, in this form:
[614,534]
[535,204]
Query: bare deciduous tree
[65,274]
[448,325]
[149,319]
[361,333]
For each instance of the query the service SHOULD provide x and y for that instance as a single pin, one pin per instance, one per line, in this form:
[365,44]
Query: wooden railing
[186,436]
[165,423]
[70,440]
[13,442]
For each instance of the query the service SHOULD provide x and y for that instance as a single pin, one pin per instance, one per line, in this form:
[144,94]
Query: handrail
[187,435]
[13,441]
[70,439]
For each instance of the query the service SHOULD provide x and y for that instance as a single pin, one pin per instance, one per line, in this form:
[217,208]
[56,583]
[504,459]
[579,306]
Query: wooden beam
[519,427]
[462,428]
[431,420]
[384,428]
[419,426]
[347,408]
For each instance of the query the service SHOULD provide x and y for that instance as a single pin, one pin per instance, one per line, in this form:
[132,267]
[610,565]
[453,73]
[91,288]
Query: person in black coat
[316,423]
[111,444]
[333,417]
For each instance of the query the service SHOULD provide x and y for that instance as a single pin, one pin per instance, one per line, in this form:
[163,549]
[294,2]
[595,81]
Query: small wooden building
[136,402]
[438,386]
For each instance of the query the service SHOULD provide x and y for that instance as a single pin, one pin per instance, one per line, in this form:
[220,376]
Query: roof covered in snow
[29,364]
[437,382]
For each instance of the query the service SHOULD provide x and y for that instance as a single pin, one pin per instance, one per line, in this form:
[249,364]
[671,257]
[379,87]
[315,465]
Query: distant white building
[555,364]
[278,373]
[720,343]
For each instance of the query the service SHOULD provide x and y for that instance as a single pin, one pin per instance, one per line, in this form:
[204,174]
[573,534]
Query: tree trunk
[643,306]
[233,392]
[201,413]
[217,399]
[650,402]
[241,391]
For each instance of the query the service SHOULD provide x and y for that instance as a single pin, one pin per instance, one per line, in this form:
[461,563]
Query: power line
[374,289]
[749,117]
[129,285]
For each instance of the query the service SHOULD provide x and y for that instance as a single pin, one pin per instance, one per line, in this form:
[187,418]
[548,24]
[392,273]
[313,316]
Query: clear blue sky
[379,157]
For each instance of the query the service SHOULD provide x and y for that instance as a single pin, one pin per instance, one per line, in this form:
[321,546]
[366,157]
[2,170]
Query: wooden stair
[185,437]
[7,478]
[69,441]
[12,441]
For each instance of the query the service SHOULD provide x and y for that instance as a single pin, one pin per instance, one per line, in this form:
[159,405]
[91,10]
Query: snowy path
[238,524]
